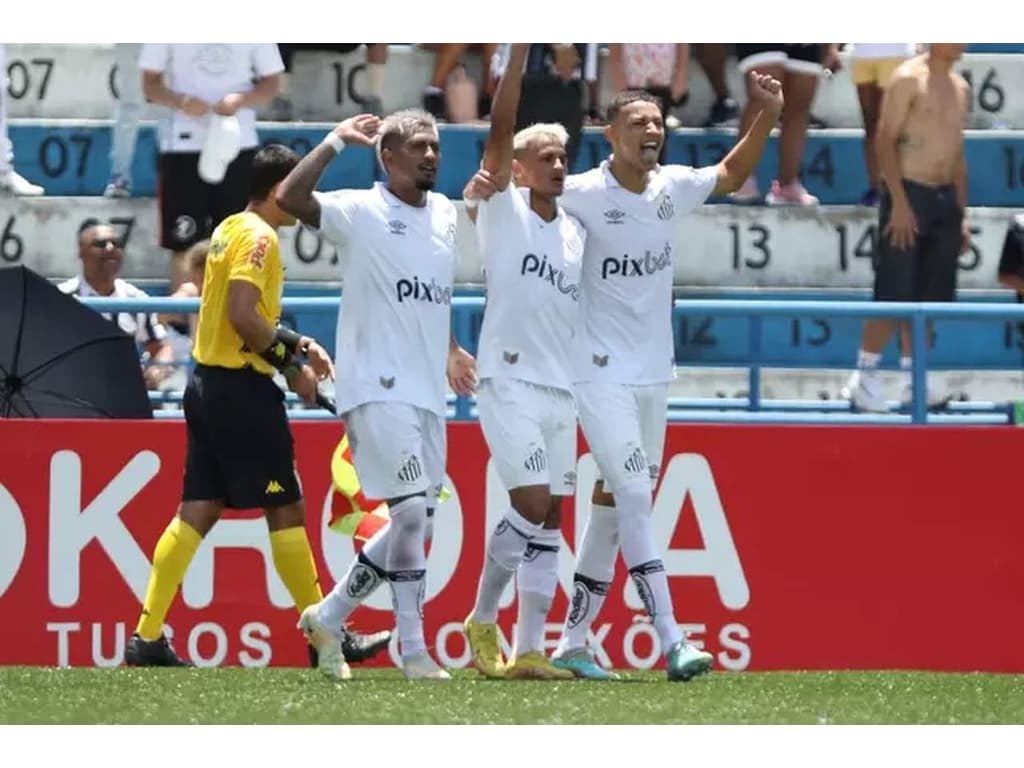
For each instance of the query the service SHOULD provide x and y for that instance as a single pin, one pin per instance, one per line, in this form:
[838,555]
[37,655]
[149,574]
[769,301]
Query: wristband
[289,338]
[335,142]
[278,355]
[470,203]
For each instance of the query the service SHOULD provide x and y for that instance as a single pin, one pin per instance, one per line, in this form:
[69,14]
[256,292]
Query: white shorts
[531,431]
[625,429]
[397,449]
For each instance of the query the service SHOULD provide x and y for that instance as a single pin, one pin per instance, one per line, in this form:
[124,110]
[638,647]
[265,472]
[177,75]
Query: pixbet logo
[421,291]
[628,266]
[532,265]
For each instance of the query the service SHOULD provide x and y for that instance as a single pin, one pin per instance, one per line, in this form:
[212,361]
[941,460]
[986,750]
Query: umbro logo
[511,357]
[274,487]
[387,383]
[410,471]
[396,227]
[615,216]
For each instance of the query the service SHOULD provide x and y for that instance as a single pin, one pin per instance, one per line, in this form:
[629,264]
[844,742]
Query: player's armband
[281,352]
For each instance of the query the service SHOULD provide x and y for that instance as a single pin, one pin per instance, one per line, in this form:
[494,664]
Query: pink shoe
[789,194]
[748,194]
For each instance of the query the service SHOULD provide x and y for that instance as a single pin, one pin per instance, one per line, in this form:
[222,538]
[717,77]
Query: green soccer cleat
[581,662]
[686,662]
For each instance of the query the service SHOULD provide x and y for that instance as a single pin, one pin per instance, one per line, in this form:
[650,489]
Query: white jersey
[533,273]
[208,71]
[398,267]
[626,286]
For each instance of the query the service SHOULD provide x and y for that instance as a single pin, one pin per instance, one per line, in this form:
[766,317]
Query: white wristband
[471,203]
[335,142]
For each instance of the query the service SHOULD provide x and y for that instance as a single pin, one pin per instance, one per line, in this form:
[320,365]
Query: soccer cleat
[483,642]
[686,662]
[358,647]
[420,666]
[152,653]
[581,662]
[330,658]
[536,666]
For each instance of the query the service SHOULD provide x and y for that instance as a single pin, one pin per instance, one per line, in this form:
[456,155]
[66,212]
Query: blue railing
[697,409]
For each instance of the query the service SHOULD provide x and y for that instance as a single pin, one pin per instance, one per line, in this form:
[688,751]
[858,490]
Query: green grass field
[299,696]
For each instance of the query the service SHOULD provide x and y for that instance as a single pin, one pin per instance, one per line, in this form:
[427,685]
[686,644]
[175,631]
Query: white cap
[222,145]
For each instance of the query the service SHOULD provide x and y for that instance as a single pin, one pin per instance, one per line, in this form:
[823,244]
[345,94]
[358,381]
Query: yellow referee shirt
[243,247]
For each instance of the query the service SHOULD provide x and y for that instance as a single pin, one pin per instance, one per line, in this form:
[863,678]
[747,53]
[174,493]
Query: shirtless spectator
[921,223]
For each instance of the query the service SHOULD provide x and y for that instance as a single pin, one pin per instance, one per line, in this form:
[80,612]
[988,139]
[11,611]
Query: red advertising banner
[786,547]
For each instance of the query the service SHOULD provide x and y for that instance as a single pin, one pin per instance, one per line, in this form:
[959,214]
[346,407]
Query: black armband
[289,338]
[278,355]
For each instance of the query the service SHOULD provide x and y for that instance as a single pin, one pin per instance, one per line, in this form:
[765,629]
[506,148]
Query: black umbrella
[60,359]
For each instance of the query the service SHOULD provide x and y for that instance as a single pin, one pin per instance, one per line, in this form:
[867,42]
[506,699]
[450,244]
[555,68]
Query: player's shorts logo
[570,479]
[388,382]
[636,463]
[580,604]
[537,461]
[410,471]
[601,361]
[510,357]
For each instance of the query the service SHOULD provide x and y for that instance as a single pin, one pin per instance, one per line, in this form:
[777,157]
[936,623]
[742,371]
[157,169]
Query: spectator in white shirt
[11,182]
[199,82]
[102,254]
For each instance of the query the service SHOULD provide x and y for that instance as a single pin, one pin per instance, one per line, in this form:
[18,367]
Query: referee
[240,452]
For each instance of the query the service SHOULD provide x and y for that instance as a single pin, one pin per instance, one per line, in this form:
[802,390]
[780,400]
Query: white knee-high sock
[366,572]
[407,570]
[595,568]
[505,549]
[634,505]
[538,580]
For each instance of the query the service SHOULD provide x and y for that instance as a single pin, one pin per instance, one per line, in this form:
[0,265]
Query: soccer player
[630,206]
[240,452]
[532,252]
[398,254]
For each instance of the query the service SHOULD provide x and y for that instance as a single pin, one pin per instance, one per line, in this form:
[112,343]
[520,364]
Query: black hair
[270,166]
[624,98]
[89,223]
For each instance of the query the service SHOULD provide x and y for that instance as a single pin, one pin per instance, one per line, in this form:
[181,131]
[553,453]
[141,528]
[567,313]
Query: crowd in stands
[212,93]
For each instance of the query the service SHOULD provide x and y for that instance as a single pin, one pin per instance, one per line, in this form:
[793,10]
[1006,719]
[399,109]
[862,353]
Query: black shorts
[549,99]
[801,58]
[927,270]
[190,208]
[240,447]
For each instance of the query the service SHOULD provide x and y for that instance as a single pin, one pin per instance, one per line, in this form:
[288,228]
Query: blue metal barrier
[754,311]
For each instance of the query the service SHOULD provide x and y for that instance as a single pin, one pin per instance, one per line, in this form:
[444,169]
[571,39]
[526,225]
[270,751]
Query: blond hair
[539,132]
[402,125]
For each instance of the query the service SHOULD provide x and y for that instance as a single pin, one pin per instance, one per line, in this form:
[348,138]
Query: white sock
[595,568]
[364,575]
[538,580]
[375,79]
[407,570]
[906,362]
[868,360]
[505,549]
[634,505]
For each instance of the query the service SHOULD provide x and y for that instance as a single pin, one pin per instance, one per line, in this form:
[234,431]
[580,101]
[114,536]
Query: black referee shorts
[240,447]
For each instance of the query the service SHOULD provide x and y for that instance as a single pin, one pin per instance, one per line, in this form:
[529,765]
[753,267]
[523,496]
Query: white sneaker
[420,666]
[331,660]
[14,183]
[866,392]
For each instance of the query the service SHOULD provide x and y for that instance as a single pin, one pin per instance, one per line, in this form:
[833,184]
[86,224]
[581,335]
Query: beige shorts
[874,71]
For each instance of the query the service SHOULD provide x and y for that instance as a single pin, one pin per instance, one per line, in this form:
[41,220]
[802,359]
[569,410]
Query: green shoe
[581,663]
[685,662]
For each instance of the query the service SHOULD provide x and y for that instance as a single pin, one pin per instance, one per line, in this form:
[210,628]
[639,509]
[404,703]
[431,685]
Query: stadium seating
[61,104]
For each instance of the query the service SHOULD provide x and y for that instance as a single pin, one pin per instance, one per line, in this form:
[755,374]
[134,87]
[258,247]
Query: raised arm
[498,150]
[741,161]
[295,192]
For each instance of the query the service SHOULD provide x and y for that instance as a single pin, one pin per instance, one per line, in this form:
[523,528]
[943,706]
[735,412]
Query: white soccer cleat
[331,660]
[420,666]
[14,183]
